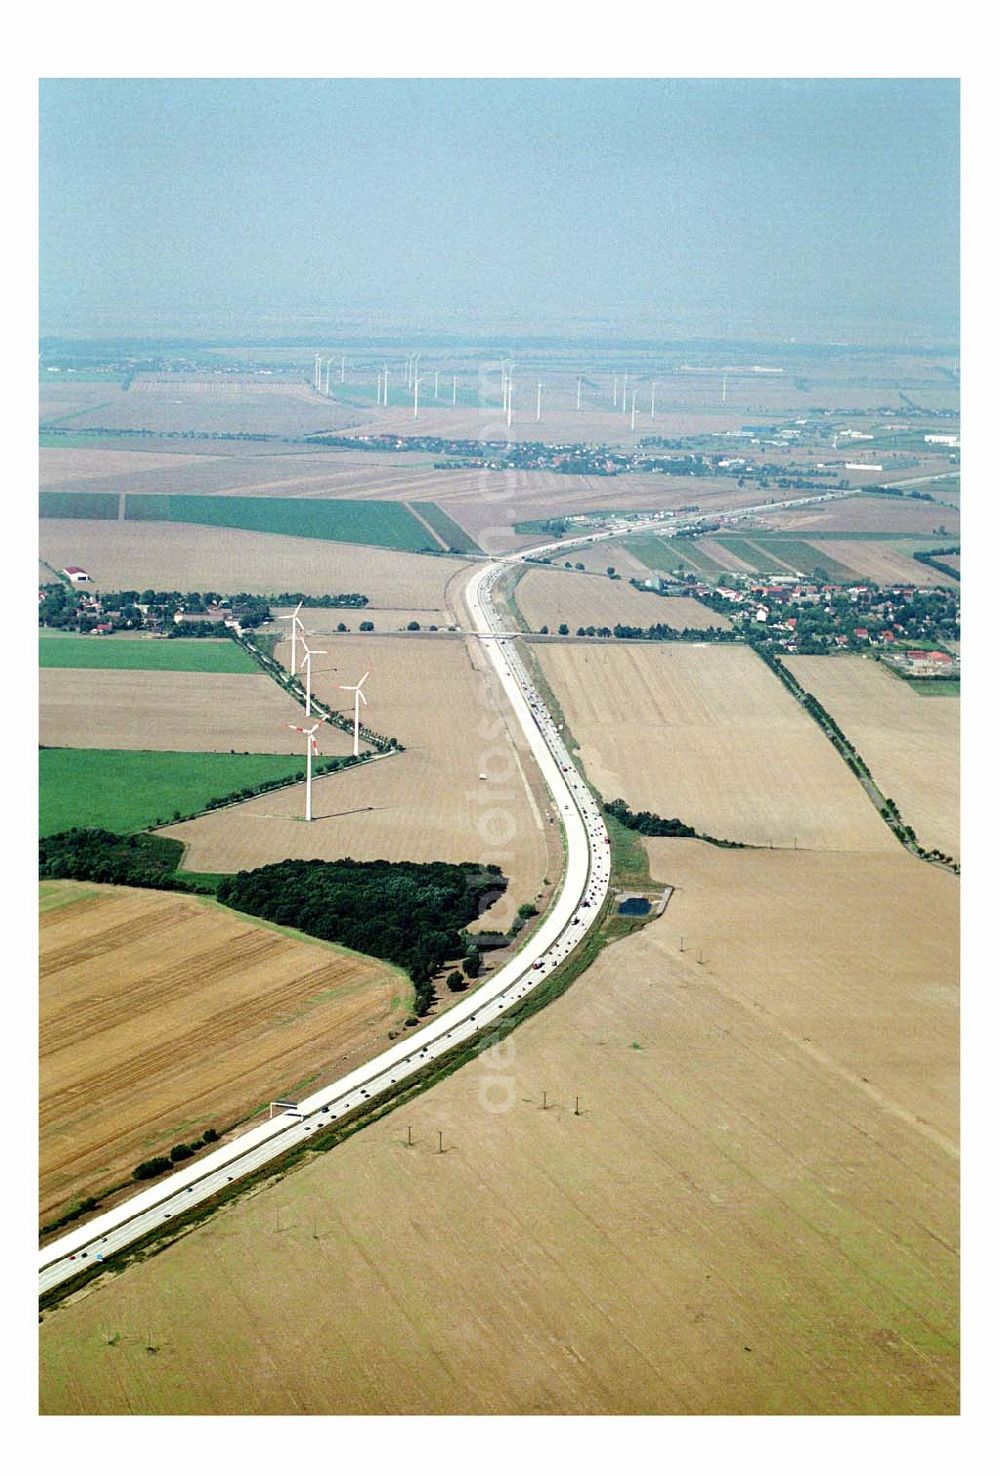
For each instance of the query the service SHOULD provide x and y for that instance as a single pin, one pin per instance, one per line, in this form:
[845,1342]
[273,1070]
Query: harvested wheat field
[122,555]
[112,469]
[864,515]
[427,804]
[856,956]
[736,1222]
[909,741]
[172,711]
[551,596]
[162,1015]
[884,562]
[708,735]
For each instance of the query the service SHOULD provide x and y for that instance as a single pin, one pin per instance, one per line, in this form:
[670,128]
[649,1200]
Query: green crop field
[385,524]
[454,536]
[126,791]
[768,554]
[123,653]
[78,505]
[673,553]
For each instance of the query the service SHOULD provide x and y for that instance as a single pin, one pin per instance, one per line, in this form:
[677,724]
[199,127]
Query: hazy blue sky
[806,208]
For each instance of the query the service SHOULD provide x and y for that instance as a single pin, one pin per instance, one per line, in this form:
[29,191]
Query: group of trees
[151,1168]
[92,854]
[931,556]
[648,632]
[412,914]
[320,602]
[62,607]
[647,823]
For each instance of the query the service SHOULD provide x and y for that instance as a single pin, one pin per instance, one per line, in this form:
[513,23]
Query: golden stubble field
[863,515]
[162,1015]
[426,804]
[750,1215]
[180,556]
[910,741]
[551,596]
[882,562]
[172,711]
[708,735]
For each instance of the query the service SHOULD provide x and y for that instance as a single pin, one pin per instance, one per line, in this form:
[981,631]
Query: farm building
[76,574]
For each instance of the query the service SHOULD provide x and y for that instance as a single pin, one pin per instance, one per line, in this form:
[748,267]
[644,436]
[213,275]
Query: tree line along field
[748,1216]
[119,653]
[910,744]
[123,790]
[162,1015]
[548,596]
[120,555]
[709,735]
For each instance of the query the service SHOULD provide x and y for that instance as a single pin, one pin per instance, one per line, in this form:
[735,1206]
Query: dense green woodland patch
[124,860]
[409,913]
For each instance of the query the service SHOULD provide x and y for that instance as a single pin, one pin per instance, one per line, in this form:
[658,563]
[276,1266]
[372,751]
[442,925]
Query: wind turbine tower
[725,382]
[632,427]
[436,373]
[311,747]
[343,367]
[579,388]
[538,403]
[297,630]
[317,361]
[614,391]
[454,389]
[359,697]
[307,663]
[652,401]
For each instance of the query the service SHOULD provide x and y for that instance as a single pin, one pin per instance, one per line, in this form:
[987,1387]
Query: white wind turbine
[359,697]
[298,630]
[311,747]
[307,663]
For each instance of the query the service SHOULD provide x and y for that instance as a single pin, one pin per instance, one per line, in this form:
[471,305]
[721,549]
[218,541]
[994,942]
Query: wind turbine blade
[364,699]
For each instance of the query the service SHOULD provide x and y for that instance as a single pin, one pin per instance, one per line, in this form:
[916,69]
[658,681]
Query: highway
[576,908]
